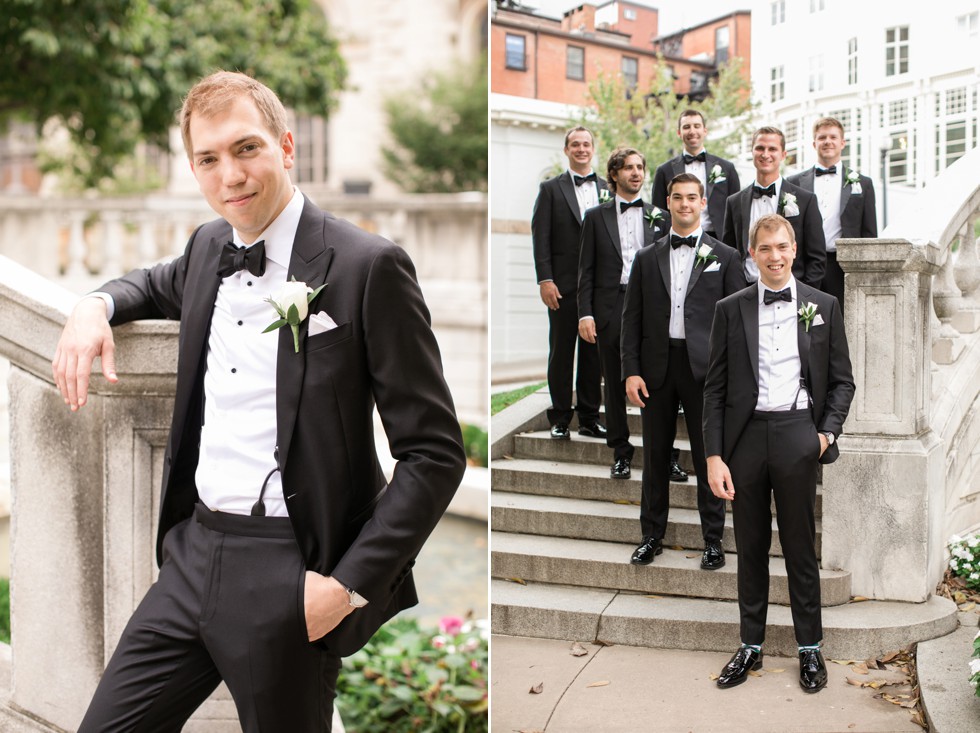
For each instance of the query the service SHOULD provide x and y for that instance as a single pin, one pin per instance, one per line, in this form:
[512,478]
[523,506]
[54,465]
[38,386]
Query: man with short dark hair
[670,300]
[556,232]
[772,194]
[845,197]
[778,389]
[612,234]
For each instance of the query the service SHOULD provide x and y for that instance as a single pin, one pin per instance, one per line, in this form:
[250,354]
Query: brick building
[714,41]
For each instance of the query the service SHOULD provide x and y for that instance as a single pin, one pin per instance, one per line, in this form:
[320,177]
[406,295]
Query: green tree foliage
[646,119]
[439,133]
[114,71]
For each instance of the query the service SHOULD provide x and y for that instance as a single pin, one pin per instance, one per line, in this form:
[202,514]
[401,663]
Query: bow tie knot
[758,192]
[825,171]
[234,259]
[679,241]
[579,180]
[688,159]
[771,296]
[623,205]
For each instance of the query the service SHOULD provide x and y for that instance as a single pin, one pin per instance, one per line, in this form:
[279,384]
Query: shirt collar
[628,201]
[791,285]
[573,173]
[281,233]
[696,233]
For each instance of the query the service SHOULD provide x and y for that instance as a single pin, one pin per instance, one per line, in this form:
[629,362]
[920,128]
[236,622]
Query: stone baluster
[947,302]
[77,246]
[147,246]
[112,242]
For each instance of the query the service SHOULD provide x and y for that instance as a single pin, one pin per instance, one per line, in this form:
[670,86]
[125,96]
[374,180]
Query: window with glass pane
[722,36]
[896,50]
[575,63]
[515,56]
[777,87]
[852,61]
[630,71]
[778,12]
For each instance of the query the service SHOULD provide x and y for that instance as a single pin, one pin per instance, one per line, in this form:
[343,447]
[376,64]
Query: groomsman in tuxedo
[773,194]
[719,179]
[556,231]
[670,300]
[717,175]
[845,197]
[612,234]
[778,389]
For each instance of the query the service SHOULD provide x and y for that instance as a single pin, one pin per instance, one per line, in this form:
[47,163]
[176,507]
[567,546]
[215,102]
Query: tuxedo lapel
[803,295]
[696,269]
[845,194]
[663,262]
[567,187]
[612,227]
[309,263]
[709,162]
[746,205]
[678,166]
[749,306]
[649,232]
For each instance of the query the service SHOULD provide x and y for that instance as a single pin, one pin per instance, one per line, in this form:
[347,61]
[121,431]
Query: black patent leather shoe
[676,472]
[592,430]
[648,549]
[813,671]
[737,669]
[713,556]
[621,468]
[560,432]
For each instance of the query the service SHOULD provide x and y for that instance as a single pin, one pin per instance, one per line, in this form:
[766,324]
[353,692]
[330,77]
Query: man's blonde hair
[770,223]
[215,93]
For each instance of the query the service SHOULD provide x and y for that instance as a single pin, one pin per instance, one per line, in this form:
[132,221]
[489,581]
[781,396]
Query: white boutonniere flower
[717,175]
[788,202]
[293,306]
[854,178]
[703,255]
[808,311]
[653,216]
[604,196]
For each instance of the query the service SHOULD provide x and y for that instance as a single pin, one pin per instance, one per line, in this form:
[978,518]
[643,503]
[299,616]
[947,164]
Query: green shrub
[408,679]
[476,443]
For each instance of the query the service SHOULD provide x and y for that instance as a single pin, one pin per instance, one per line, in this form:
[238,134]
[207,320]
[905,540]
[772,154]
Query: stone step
[541,446]
[636,424]
[607,521]
[595,564]
[851,631]
[587,481]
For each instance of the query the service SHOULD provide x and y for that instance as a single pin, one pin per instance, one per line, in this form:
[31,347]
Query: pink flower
[438,641]
[450,625]
[474,664]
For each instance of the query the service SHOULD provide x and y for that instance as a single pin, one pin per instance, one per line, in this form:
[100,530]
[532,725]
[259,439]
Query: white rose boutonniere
[293,306]
[808,311]
[653,216]
[604,196]
[703,255]
[854,178]
[788,203]
[717,175]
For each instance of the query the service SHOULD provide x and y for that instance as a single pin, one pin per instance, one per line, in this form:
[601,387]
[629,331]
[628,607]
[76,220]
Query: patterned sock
[757,648]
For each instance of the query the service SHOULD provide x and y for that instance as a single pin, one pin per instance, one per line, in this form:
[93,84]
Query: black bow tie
[579,180]
[825,171]
[758,192]
[688,159]
[234,259]
[623,206]
[678,241]
[769,297]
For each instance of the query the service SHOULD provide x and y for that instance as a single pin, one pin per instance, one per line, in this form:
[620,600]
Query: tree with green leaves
[113,72]
[646,119]
[439,133]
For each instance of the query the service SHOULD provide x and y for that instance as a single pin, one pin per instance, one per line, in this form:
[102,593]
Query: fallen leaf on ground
[601,683]
[891,656]
[713,677]
[690,556]
[968,606]
[625,502]
[601,642]
[777,670]
[578,650]
[676,547]
[537,689]
[754,673]
[858,599]
[959,597]
[519,581]
[509,458]
[656,598]
[854,681]
[861,668]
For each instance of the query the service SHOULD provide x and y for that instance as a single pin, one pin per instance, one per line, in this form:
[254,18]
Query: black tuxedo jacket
[601,260]
[556,231]
[811,249]
[645,340]
[731,390]
[717,193]
[348,522]
[858,218]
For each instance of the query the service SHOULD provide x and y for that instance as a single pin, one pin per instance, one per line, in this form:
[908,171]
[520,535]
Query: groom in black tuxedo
[670,300]
[556,233]
[281,547]
[778,389]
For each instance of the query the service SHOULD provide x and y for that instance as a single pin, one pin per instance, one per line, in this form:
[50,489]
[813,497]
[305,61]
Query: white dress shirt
[779,355]
[760,207]
[630,234]
[828,191]
[681,266]
[238,438]
[587,194]
[699,169]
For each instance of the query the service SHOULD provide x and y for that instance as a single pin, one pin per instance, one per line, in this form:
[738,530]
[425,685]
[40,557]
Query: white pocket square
[818,320]
[321,322]
[713,267]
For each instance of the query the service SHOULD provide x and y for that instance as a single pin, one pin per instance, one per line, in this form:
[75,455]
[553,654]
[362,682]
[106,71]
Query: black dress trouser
[564,342]
[228,605]
[617,427]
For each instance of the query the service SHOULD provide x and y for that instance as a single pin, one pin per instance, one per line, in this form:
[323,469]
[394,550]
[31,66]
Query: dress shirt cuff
[546,280]
[110,304]
[586,318]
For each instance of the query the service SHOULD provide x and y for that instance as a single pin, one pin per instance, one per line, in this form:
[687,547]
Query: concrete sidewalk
[621,689]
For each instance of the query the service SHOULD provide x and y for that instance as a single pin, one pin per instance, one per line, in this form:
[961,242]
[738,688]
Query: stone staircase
[562,532]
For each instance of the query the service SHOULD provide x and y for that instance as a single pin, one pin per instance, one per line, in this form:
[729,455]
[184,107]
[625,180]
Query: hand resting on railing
[86,335]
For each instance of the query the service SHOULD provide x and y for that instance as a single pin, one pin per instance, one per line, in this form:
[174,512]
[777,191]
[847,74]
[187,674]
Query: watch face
[356,599]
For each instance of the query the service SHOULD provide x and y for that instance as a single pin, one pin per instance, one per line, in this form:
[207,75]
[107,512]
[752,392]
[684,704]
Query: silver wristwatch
[830,437]
[355,599]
